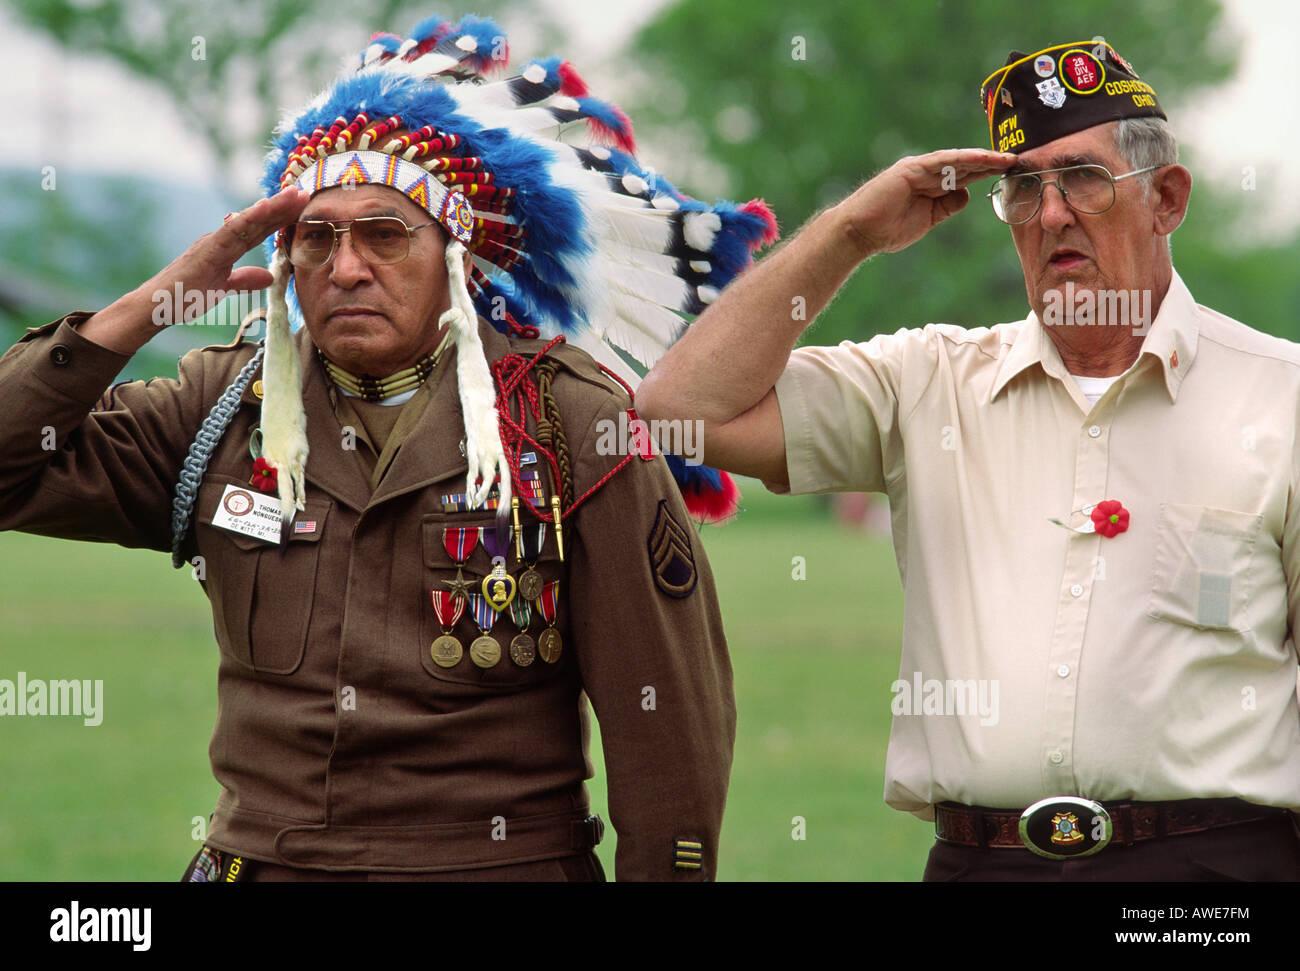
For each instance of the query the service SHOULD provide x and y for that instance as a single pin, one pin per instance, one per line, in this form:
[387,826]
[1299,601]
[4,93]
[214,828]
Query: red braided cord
[511,372]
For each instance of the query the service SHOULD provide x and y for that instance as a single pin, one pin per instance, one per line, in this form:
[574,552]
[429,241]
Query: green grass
[813,661]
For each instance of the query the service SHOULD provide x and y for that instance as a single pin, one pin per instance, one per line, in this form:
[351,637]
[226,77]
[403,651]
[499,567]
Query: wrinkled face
[1119,249]
[374,319]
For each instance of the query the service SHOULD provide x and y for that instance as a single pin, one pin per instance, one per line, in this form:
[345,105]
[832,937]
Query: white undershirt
[1093,388]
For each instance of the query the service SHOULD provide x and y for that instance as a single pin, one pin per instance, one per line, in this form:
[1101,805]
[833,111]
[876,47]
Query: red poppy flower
[1110,517]
[264,476]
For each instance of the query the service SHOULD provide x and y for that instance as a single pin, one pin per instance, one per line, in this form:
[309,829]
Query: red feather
[759,208]
[621,136]
[571,83]
[714,506]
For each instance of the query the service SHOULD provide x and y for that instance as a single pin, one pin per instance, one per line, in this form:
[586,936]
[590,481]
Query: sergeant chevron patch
[671,559]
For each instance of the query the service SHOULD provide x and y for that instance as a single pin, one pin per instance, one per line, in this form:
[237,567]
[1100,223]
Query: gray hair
[1142,142]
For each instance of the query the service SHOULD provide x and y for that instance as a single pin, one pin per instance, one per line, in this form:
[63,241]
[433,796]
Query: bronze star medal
[459,542]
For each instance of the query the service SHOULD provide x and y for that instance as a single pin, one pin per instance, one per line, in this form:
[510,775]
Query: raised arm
[128,323]
[724,369]
[106,474]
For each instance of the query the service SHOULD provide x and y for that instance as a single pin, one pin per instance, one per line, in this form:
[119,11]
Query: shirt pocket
[507,674]
[262,596]
[1202,573]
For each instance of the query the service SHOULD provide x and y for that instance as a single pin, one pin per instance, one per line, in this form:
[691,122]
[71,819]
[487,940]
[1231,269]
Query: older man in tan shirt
[1095,509]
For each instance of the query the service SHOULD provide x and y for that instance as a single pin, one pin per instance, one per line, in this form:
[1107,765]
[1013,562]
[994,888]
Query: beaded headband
[449,207]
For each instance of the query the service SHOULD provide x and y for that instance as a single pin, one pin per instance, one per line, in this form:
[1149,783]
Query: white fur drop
[483,449]
[534,74]
[700,229]
[284,423]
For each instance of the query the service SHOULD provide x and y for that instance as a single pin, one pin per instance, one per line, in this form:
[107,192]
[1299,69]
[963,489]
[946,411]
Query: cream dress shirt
[1036,661]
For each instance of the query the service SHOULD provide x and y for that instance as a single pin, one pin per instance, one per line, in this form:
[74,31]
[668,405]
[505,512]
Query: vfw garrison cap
[1036,98]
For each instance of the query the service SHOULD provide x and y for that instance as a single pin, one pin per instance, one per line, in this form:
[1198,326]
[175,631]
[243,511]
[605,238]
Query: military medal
[549,642]
[446,650]
[498,586]
[459,542]
[485,651]
[523,651]
[531,538]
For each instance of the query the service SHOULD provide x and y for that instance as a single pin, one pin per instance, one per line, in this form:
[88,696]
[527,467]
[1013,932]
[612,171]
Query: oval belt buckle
[1065,827]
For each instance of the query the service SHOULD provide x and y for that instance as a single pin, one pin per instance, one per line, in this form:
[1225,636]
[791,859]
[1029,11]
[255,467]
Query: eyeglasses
[378,240]
[1089,189]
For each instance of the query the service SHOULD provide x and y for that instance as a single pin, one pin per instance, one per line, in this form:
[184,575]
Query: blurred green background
[734,98]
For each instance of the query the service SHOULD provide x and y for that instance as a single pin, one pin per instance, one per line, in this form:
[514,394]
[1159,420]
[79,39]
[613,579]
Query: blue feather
[427,27]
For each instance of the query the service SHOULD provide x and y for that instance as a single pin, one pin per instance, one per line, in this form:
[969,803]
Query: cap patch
[1081,72]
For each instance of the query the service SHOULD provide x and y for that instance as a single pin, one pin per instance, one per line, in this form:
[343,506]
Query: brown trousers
[1265,850]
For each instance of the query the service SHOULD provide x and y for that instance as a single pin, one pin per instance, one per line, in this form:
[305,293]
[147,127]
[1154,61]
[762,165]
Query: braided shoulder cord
[513,381]
[550,431]
[205,443]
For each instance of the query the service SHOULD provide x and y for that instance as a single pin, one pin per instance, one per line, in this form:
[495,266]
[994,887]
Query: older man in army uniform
[384,712]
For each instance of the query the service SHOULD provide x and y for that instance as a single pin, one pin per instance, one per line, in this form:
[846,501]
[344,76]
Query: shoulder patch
[671,559]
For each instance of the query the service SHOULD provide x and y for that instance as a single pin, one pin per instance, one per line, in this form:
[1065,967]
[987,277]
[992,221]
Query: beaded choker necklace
[379,389]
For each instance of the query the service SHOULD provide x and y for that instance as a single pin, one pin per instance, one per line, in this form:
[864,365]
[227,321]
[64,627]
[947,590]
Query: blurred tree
[801,103]
[231,70]
[228,67]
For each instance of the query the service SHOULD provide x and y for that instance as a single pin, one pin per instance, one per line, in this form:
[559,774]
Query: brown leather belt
[1130,822]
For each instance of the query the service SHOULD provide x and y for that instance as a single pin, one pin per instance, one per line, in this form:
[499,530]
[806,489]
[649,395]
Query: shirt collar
[1173,337]
[1170,341]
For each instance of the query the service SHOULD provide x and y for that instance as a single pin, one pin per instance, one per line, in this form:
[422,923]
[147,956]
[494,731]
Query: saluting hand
[208,265]
[903,203]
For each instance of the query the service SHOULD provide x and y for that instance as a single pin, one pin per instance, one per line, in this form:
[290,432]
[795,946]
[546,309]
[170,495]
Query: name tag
[249,513]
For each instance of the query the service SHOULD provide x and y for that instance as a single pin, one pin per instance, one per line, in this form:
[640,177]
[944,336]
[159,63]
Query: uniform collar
[1171,342]
[434,448]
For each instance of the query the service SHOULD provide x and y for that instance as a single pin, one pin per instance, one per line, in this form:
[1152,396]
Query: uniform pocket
[1202,572]
[261,595]
[439,566]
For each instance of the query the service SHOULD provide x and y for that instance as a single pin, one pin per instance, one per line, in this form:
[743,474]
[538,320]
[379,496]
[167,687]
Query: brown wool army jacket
[417,767]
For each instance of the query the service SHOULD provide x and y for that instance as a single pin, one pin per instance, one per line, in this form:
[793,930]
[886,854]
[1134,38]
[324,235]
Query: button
[1094,431]
[1063,670]
[1057,758]
[60,354]
[1077,590]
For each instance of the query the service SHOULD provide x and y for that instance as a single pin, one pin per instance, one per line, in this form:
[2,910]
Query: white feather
[642,328]
[605,354]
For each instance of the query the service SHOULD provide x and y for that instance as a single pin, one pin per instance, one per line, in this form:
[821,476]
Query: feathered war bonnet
[567,232]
